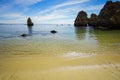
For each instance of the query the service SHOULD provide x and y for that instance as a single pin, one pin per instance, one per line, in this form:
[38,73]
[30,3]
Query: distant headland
[108,18]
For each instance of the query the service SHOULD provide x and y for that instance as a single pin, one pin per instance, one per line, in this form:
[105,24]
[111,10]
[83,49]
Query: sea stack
[81,19]
[108,17]
[92,20]
[29,22]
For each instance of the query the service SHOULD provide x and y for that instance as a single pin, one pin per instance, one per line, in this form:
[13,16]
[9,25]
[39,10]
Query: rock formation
[92,20]
[108,18]
[81,19]
[24,35]
[29,22]
[109,15]
[53,31]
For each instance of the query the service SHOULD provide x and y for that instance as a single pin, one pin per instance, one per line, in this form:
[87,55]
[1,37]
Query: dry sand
[95,67]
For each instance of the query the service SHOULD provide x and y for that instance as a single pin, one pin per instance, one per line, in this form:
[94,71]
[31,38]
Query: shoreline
[95,67]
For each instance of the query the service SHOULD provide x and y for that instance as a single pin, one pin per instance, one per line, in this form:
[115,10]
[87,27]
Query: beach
[95,67]
[60,40]
[71,54]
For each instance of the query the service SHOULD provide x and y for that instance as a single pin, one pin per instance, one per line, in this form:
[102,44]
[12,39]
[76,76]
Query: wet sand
[35,67]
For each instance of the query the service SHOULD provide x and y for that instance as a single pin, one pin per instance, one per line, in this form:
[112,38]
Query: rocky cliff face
[92,20]
[109,16]
[81,19]
[29,22]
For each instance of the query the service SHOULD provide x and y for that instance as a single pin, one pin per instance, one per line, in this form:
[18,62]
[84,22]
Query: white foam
[85,67]
[75,54]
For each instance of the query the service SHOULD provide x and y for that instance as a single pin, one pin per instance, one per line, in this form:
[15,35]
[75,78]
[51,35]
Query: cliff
[29,22]
[81,19]
[92,20]
[109,17]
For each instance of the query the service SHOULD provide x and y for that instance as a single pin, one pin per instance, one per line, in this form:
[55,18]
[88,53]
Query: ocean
[73,53]
[68,39]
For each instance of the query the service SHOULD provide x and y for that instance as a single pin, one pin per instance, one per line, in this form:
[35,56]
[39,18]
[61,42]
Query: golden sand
[35,67]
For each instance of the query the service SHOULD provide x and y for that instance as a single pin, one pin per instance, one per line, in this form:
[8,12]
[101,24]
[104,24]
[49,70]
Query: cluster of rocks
[30,24]
[108,18]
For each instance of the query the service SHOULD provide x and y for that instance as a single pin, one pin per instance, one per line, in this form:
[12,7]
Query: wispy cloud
[12,16]
[55,15]
[66,15]
[68,3]
[64,12]
[95,7]
[26,2]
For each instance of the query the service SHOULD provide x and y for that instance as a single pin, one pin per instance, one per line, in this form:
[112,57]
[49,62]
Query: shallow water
[68,40]
[70,54]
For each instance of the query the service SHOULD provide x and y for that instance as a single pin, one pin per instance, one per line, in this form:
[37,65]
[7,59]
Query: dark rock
[109,15]
[92,19]
[81,19]
[24,35]
[108,18]
[29,22]
[53,31]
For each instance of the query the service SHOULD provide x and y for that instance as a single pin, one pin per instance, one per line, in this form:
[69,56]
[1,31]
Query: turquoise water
[68,39]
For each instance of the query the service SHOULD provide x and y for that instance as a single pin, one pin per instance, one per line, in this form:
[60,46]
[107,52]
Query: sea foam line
[75,54]
[85,67]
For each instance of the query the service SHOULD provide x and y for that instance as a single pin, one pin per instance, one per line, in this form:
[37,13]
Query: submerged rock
[29,22]
[53,31]
[24,35]
[81,19]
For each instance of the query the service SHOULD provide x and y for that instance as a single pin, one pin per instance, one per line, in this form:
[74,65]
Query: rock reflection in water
[30,30]
[80,33]
[86,37]
[84,33]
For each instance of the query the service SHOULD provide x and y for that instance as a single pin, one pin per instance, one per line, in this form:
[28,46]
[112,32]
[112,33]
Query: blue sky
[46,11]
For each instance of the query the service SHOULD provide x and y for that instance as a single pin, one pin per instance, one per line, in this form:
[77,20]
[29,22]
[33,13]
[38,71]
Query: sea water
[73,53]
[68,41]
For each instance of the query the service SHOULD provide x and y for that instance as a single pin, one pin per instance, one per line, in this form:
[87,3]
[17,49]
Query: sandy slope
[95,67]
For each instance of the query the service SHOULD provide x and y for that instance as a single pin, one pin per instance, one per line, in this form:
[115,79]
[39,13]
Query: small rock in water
[24,35]
[53,31]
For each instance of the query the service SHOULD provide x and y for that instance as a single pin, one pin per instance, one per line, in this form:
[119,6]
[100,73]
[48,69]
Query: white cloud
[14,21]
[62,13]
[66,15]
[57,16]
[26,2]
[48,17]
[95,7]
[68,3]
[12,15]
[13,18]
